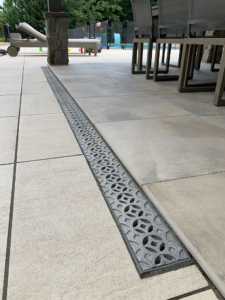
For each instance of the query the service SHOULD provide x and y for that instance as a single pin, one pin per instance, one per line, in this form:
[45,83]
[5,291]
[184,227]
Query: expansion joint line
[9,237]
[153,246]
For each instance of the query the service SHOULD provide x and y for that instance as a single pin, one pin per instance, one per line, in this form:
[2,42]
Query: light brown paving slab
[127,107]
[8,132]
[197,206]
[217,120]
[6,176]
[167,148]
[207,295]
[36,88]
[9,105]
[66,245]
[45,136]
[39,105]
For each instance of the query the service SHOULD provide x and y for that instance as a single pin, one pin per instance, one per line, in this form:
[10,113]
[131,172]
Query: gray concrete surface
[8,130]
[51,137]
[39,104]
[65,243]
[197,207]
[73,247]
[6,174]
[127,107]
[217,120]
[155,149]
[9,106]
[208,295]
[168,148]
[36,88]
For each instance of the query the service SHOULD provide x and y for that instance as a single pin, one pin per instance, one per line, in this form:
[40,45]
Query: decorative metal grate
[151,243]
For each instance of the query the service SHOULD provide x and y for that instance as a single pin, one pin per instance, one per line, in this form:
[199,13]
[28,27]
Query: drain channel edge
[151,243]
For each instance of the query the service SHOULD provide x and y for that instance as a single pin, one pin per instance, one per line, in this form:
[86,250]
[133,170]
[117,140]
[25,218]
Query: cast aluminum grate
[150,241]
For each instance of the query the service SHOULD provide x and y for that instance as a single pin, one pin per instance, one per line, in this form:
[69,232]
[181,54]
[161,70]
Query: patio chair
[145,31]
[16,41]
[173,17]
[204,15]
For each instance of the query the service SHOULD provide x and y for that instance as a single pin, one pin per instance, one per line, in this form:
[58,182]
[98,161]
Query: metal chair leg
[180,55]
[168,57]
[134,58]
[193,50]
[215,50]
[183,69]
[137,57]
[140,56]
[218,101]
[156,68]
[199,57]
[163,55]
[149,60]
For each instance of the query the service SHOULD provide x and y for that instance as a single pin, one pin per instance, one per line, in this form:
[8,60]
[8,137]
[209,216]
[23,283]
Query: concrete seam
[8,246]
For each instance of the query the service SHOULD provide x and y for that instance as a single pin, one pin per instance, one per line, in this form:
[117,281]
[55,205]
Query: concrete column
[57,38]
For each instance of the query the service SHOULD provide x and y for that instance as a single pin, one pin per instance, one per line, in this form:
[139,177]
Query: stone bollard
[57,38]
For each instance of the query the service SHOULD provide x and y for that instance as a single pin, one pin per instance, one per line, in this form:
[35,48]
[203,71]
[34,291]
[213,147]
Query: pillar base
[57,38]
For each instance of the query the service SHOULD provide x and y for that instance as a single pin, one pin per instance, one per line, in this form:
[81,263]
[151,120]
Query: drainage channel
[153,246]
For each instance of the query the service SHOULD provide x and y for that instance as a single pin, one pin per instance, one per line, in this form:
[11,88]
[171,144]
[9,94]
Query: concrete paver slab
[10,89]
[9,106]
[127,107]
[38,88]
[198,201]
[34,78]
[150,88]
[39,104]
[45,136]
[32,70]
[6,176]
[11,76]
[71,248]
[84,79]
[207,295]
[99,89]
[7,64]
[218,120]
[189,103]
[167,148]
[8,131]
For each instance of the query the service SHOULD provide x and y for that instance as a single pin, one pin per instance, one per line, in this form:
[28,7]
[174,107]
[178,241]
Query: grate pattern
[150,241]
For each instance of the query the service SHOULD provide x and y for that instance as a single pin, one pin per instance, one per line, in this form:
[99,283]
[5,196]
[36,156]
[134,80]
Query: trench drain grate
[152,245]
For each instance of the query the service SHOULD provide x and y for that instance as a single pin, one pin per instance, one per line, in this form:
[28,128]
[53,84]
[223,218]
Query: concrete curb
[194,252]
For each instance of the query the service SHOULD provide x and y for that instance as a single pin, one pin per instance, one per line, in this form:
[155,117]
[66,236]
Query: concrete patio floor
[65,243]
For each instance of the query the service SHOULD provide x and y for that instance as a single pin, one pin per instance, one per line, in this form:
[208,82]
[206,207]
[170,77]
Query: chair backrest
[142,13]
[173,15]
[206,15]
[31,31]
